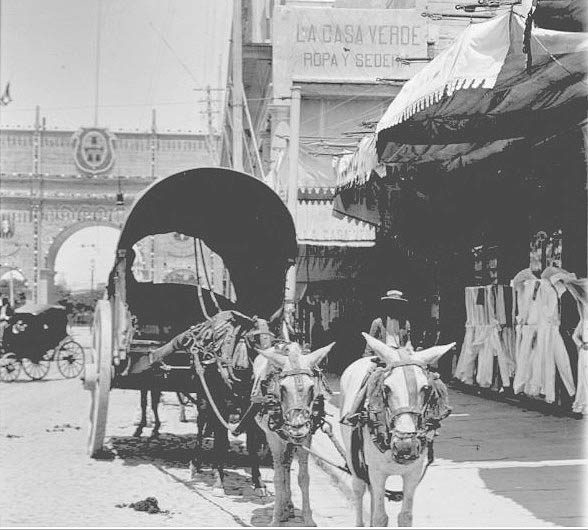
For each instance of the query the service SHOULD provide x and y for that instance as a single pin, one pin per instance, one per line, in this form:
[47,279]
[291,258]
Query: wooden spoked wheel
[70,359]
[9,368]
[97,377]
[36,369]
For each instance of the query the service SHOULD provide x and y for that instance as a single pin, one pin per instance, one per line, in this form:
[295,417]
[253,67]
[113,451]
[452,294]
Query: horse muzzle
[297,423]
[406,449]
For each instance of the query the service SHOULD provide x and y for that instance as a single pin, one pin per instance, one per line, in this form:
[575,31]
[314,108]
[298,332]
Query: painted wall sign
[352,45]
[93,150]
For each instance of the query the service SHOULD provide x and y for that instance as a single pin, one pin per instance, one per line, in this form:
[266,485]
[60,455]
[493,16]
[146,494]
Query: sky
[153,54]
[90,248]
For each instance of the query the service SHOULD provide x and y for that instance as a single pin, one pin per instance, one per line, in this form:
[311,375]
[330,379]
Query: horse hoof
[275,522]
[309,522]
[260,492]
[137,433]
[154,435]
[195,470]
[404,519]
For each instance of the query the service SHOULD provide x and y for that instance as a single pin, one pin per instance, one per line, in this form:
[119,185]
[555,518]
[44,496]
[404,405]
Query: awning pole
[292,198]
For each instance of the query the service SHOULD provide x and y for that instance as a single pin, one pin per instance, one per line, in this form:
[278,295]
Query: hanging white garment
[540,348]
[476,322]
[505,351]
[488,340]
[578,288]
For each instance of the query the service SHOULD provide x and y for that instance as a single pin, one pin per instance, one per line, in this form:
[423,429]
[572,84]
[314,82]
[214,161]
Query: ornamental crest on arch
[93,150]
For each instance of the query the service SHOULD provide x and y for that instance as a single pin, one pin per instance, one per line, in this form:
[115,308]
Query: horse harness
[271,404]
[380,418]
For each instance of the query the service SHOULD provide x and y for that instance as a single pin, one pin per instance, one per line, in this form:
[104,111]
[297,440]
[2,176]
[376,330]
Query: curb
[519,400]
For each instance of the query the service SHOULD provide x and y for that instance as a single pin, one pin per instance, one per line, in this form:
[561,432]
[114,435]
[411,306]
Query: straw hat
[394,294]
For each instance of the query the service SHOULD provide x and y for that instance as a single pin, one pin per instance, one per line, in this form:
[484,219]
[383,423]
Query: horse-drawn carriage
[37,335]
[146,334]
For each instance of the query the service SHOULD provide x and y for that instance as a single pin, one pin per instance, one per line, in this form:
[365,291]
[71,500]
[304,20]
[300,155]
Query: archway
[95,254]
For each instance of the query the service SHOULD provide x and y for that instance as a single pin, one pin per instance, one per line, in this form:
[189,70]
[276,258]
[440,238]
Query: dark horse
[222,350]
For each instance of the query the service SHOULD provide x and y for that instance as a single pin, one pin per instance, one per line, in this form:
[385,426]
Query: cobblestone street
[495,466]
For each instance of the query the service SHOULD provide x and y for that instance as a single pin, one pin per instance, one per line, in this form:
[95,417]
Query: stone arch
[48,274]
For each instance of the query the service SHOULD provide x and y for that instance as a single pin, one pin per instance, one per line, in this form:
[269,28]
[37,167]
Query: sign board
[345,45]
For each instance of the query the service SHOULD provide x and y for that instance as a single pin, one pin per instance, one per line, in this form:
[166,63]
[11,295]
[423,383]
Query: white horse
[393,440]
[292,385]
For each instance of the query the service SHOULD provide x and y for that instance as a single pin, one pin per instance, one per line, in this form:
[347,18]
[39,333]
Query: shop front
[484,194]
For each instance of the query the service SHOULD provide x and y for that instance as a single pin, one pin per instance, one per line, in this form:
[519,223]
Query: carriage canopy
[237,216]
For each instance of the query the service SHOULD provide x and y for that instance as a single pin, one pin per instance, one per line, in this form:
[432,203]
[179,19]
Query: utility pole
[36,199]
[97,77]
[292,197]
[210,137]
[153,151]
[236,93]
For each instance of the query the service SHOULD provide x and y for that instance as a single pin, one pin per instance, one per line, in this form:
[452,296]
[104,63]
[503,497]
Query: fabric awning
[478,99]
[480,89]
[316,223]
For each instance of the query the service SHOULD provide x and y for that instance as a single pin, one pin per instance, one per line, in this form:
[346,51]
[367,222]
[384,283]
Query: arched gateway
[53,184]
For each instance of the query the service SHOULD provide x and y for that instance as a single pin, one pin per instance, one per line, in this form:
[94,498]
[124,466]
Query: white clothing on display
[540,348]
[578,288]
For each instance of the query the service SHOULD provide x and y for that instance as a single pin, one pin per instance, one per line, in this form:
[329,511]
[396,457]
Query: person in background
[6,311]
[392,327]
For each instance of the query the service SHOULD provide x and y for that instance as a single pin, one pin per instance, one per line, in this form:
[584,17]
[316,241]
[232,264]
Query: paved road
[497,465]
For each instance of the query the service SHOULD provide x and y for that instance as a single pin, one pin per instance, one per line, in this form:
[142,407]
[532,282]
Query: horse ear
[317,356]
[272,355]
[431,355]
[384,352]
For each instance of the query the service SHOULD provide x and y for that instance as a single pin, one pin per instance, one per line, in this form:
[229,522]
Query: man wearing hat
[393,327]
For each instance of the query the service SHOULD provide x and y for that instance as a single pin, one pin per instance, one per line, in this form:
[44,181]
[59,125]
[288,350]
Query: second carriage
[35,337]
[237,217]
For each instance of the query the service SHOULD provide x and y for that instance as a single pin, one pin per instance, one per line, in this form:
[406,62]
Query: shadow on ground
[171,452]
[536,489]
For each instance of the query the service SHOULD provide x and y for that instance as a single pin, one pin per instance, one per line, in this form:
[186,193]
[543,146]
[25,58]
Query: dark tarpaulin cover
[237,216]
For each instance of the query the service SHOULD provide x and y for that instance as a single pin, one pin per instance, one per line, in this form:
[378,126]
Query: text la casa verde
[356,34]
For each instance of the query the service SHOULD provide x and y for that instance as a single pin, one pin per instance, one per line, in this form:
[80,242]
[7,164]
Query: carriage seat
[163,310]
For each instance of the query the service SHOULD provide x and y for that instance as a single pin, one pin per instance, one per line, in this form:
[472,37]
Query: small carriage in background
[237,217]
[37,335]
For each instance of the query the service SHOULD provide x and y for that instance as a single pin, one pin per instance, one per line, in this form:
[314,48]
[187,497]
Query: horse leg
[143,422]
[155,398]
[289,506]
[359,487]
[201,420]
[410,481]
[378,503]
[220,451]
[254,434]
[304,483]
[182,409]
[278,448]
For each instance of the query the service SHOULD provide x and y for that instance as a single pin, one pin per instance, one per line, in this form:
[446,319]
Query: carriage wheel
[36,369]
[70,359]
[97,375]
[9,368]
